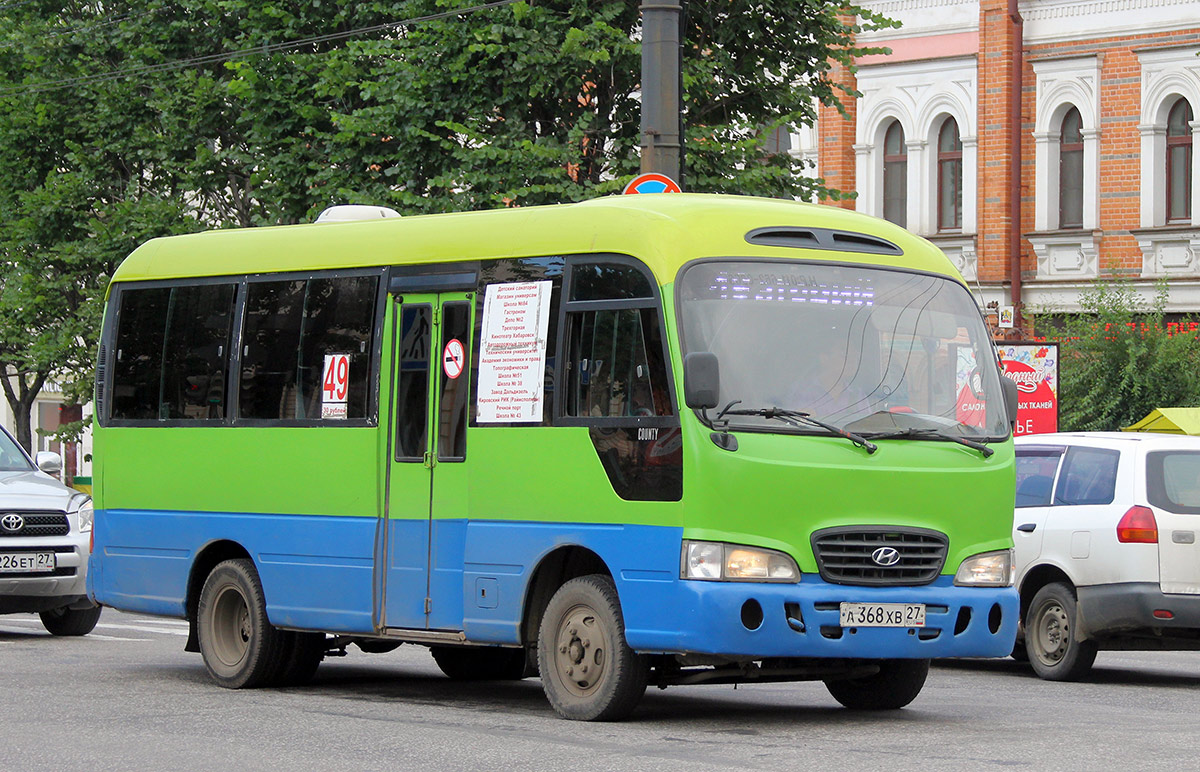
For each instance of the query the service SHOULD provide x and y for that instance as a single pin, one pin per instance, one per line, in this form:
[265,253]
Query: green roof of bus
[664,230]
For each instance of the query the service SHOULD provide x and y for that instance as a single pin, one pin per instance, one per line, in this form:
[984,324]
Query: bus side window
[172,353]
[616,366]
[290,327]
[612,373]
[137,360]
[196,353]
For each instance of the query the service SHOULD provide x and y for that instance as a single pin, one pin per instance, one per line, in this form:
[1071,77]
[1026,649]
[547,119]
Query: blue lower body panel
[318,573]
[749,619]
[666,614]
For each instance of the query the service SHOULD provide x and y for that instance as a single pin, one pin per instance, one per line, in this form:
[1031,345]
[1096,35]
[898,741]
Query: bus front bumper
[755,620]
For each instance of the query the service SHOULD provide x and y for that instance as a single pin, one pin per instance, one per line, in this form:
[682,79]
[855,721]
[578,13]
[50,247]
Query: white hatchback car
[45,542]
[1106,550]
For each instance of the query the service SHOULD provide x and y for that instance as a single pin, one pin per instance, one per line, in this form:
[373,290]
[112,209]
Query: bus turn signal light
[1137,526]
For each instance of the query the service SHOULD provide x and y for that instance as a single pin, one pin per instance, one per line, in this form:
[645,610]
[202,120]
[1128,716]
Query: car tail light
[1137,526]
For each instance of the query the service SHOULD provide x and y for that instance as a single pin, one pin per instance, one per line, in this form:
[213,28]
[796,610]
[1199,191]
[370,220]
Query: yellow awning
[1169,420]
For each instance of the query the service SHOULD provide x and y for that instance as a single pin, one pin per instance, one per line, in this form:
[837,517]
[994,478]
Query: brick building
[1105,134]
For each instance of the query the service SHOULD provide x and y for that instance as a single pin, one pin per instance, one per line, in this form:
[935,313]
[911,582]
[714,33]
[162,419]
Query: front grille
[844,555]
[37,524]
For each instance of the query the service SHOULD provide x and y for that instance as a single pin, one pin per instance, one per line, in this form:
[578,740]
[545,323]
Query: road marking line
[144,629]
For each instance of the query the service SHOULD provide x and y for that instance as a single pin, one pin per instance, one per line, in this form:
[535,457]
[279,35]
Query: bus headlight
[990,569]
[720,562]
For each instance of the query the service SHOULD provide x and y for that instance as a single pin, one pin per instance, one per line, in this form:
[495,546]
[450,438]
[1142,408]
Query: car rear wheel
[897,683]
[1050,636]
[69,621]
[240,647]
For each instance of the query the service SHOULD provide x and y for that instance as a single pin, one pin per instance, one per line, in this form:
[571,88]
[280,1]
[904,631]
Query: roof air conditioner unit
[354,212]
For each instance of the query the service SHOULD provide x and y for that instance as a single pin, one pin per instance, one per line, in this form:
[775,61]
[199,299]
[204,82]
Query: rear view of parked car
[1106,551]
[45,533]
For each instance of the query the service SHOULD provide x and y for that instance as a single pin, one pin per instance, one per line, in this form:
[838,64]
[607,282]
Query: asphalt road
[127,697]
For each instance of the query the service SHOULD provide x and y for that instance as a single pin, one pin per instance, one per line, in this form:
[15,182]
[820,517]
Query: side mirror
[701,380]
[1011,397]
[49,462]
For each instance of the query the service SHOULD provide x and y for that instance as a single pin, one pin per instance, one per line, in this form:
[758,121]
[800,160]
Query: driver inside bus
[825,388]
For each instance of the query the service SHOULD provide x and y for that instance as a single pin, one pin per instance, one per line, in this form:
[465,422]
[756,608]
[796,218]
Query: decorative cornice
[887,7]
[1046,10]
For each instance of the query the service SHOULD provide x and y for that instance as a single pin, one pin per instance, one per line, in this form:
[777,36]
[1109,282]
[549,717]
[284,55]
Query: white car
[45,541]
[1106,549]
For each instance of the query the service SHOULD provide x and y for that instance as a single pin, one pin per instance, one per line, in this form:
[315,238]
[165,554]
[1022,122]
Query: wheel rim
[581,651]
[1052,634]
[231,626]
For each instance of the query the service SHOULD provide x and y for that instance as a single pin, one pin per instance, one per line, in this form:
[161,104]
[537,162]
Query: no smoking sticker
[453,358]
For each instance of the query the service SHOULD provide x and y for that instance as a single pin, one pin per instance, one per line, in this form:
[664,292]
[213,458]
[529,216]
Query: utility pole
[662,140]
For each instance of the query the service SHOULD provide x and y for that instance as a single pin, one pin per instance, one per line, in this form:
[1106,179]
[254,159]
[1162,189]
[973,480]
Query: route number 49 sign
[335,386]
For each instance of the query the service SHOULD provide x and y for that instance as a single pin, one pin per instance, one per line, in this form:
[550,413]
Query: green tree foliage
[128,119]
[1118,359]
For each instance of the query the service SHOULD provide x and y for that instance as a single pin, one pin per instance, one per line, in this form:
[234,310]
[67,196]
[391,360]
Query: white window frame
[1167,75]
[920,95]
[1061,85]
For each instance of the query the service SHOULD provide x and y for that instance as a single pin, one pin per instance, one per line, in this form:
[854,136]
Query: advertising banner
[1034,368]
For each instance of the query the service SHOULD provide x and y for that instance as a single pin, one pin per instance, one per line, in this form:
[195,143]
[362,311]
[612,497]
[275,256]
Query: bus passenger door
[426,481]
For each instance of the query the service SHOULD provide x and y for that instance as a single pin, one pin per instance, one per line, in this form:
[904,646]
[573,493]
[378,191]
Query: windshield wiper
[799,419]
[931,432]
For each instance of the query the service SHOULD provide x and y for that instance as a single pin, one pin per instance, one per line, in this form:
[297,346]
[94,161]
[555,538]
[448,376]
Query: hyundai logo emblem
[885,556]
[12,522]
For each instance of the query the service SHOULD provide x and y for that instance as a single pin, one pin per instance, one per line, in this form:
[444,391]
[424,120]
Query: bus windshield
[876,351]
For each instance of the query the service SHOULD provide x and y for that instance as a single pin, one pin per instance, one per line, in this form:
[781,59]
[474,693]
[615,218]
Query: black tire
[588,671]
[466,663]
[897,683]
[240,647]
[1050,636]
[69,621]
[300,656]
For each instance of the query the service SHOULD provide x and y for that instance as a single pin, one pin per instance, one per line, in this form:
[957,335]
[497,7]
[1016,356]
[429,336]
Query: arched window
[1179,162]
[1070,171]
[895,176]
[949,184]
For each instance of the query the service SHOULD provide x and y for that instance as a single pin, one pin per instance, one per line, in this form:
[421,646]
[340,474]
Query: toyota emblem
[12,522]
[886,556]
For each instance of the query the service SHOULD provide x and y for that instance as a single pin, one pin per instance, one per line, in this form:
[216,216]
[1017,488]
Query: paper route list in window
[512,358]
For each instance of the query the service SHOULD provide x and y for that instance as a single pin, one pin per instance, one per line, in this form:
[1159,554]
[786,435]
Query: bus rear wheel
[300,656]
[240,647]
[588,671]
[897,683]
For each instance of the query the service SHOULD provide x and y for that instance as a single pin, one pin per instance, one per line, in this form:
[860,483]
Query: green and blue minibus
[640,440]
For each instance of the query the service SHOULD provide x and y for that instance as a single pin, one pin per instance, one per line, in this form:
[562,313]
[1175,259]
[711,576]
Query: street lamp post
[661,139]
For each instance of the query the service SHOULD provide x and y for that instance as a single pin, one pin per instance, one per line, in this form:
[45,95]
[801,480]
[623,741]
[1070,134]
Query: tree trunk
[20,400]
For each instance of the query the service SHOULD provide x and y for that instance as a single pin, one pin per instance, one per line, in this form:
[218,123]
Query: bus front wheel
[897,683]
[240,647]
[588,671]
